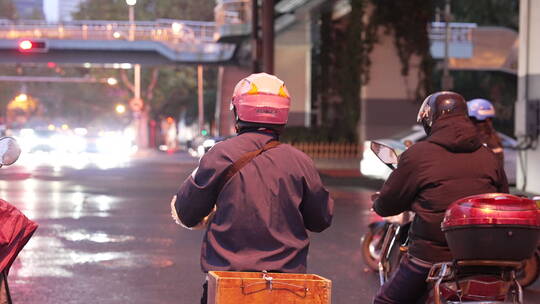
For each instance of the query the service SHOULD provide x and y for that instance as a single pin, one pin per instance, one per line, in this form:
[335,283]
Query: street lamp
[137,69]
[21,98]
[131,5]
[136,100]
[120,109]
[112,81]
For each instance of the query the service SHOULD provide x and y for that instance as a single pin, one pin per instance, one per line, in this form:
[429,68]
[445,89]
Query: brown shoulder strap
[244,160]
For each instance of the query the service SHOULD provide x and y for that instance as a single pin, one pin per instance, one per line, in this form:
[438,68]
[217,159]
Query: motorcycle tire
[370,242]
[371,246]
[530,271]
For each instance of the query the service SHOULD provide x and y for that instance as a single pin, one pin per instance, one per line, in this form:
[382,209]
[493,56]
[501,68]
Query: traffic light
[33,46]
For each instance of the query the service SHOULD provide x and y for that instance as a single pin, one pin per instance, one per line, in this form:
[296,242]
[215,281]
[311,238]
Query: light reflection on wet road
[106,236]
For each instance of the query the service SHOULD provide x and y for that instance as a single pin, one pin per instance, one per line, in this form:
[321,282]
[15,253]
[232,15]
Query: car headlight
[208,143]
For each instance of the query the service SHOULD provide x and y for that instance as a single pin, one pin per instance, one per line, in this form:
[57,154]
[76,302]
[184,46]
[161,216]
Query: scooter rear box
[492,226]
[230,287]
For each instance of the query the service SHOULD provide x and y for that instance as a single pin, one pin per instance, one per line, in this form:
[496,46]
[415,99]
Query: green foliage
[176,86]
[407,21]
[351,72]
[486,12]
[7,10]
[498,87]
[201,10]
[340,71]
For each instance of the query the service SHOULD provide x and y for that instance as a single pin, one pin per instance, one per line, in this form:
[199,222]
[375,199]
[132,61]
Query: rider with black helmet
[450,164]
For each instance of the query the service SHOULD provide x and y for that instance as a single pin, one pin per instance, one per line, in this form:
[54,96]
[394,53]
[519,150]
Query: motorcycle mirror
[386,154]
[9,151]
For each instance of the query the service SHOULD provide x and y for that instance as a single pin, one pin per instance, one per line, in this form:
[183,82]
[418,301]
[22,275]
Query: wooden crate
[228,287]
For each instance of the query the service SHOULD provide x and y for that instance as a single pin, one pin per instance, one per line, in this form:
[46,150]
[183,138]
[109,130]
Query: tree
[486,12]
[344,51]
[7,10]
[164,88]
[201,10]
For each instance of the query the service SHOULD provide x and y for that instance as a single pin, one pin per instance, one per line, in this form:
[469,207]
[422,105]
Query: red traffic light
[32,46]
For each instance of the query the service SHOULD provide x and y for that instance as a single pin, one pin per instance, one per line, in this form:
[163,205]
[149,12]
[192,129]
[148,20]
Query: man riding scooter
[481,112]
[450,164]
[265,195]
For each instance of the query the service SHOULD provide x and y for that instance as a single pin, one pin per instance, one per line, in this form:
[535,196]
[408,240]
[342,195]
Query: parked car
[200,145]
[371,166]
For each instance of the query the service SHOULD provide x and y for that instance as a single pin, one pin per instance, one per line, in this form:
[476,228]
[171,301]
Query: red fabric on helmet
[262,108]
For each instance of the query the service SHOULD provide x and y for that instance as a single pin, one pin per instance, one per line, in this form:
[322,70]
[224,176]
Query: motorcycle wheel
[371,248]
[530,271]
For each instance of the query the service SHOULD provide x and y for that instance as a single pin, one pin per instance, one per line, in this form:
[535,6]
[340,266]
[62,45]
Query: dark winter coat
[451,164]
[490,138]
[263,211]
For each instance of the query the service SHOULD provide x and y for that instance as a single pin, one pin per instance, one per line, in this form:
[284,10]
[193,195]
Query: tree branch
[126,81]
[152,84]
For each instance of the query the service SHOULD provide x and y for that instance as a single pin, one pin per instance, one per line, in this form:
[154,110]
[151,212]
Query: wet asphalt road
[106,236]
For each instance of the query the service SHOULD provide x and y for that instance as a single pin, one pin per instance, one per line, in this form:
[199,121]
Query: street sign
[136,104]
[460,40]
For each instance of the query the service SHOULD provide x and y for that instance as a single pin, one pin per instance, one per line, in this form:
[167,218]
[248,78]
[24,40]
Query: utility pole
[200,100]
[268,36]
[256,41]
[447,81]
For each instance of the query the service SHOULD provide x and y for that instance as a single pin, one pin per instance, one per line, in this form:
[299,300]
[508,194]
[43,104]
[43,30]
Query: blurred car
[201,145]
[33,140]
[371,166]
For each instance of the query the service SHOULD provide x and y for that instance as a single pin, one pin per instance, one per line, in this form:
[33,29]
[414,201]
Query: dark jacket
[490,138]
[451,164]
[263,211]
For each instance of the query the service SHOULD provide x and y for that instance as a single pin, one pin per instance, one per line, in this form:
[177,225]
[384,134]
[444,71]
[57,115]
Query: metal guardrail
[179,35]
[159,30]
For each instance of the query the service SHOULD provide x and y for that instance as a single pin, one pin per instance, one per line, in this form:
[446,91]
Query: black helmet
[440,104]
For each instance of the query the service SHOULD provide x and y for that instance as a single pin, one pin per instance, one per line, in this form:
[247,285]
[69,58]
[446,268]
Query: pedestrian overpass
[159,42]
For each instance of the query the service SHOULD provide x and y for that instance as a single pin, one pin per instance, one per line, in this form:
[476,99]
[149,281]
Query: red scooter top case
[492,209]
[492,226]
[15,231]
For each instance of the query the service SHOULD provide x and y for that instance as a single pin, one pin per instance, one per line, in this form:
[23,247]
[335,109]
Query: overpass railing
[174,33]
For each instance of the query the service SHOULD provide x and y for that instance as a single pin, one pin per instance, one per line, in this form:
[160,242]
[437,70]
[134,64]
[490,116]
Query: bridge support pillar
[527,113]
[228,77]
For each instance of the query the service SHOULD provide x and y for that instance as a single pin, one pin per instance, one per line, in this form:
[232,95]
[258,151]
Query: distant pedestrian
[256,197]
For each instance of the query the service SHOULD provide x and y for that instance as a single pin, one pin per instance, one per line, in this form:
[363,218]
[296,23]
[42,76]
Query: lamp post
[137,67]
[136,103]
[447,81]
[131,5]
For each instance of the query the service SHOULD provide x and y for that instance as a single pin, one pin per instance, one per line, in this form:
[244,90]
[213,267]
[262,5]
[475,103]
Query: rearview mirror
[386,154]
[9,151]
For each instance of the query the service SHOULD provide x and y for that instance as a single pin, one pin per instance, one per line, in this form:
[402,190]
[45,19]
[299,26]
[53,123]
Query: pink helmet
[261,99]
